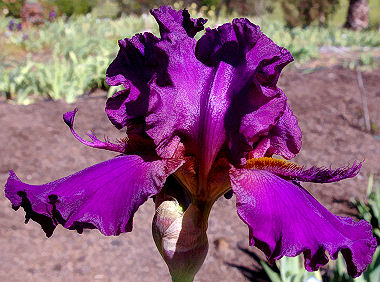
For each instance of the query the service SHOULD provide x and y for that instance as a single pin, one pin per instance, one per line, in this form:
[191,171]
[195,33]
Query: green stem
[182,278]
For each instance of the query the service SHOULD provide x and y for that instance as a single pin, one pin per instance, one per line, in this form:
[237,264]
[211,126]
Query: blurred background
[78,38]
[54,53]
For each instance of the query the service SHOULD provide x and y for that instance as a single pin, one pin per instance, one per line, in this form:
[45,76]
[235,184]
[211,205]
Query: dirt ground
[37,144]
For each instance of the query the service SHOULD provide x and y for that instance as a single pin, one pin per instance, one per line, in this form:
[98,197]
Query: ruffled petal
[285,220]
[292,171]
[104,196]
[139,61]
[221,89]
[284,139]
[209,96]
[171,21]
[136,63]
[164,85]
[256,103]
[95,142]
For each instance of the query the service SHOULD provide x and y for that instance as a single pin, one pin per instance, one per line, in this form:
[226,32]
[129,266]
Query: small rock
[99,276]
[81,258]
[57,267]
[221,245]
[331,75]
[116,243]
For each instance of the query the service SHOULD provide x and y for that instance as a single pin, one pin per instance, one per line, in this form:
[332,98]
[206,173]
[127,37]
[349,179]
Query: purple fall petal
[285,220]
[95,142]
[104,196]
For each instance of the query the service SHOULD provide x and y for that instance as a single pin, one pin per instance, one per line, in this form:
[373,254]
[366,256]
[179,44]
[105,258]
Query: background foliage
[68,57]
[291,12]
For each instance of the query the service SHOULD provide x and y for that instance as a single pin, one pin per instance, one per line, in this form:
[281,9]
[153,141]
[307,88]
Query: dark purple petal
[229,43]
[137,62]
[285,220]
[115,108]
[284,139]
[11,25]
[95,142]
[207,94]
[256,103]
[172,21]
[104,196]
[291,171]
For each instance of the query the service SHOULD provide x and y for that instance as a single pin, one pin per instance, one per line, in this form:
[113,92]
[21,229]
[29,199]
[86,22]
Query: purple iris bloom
[52,15]
[19,26]
[203,118]
[11,25]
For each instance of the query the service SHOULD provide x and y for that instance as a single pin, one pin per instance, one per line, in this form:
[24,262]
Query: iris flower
[11,25]
[204,119]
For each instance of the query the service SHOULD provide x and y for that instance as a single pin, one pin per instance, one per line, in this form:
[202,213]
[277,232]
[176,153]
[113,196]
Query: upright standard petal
[206,93]
[134,66]
[104,196]
[285,220]
[256,103]
[172,21]
[284,139]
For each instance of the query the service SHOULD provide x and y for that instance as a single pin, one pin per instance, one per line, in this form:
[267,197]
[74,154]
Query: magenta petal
[217,91]
[257,103]
[95,142]
[284,139]
[172,21]
[104,196]
[285,220]
[136,63]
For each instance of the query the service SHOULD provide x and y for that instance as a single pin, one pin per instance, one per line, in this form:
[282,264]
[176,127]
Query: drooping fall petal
[104,196]
[285,220]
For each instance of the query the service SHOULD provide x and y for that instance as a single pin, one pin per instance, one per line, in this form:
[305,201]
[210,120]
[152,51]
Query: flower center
[216,185]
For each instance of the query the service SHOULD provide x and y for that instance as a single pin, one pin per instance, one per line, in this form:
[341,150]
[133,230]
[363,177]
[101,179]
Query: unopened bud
[180,238]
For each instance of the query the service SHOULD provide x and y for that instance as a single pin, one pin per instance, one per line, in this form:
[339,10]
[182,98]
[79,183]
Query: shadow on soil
[254,273]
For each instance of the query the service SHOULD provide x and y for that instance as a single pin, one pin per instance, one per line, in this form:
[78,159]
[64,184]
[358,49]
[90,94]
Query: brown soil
[39,147]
